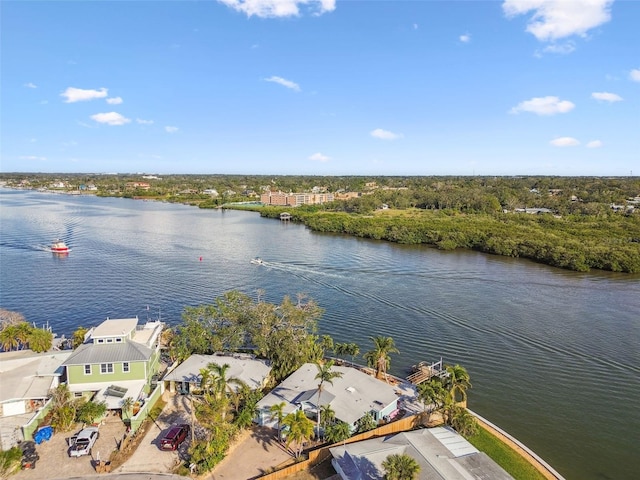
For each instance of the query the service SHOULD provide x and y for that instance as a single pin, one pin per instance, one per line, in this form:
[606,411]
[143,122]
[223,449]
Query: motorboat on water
[59,247]
[257,261]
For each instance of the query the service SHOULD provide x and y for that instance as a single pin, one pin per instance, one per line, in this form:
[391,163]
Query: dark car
[174,437]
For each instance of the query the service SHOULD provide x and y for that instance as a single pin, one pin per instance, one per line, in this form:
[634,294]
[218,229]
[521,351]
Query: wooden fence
[320,454]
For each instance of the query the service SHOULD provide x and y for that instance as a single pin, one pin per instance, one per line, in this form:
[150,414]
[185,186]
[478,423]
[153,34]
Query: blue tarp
[43,434]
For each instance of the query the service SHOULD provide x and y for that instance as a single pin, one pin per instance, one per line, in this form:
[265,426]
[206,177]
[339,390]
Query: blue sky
[321,87]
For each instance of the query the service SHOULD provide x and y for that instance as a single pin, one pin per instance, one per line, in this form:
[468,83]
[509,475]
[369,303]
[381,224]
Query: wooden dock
[423,371]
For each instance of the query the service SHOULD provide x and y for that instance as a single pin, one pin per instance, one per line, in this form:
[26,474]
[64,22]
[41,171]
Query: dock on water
[423,371]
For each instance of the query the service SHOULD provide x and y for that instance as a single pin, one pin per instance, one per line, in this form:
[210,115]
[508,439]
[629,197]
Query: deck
[423,371]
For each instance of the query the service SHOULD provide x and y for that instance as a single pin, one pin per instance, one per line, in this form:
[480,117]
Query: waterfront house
[118,359]
[351,396]
[441,453]
[186,377]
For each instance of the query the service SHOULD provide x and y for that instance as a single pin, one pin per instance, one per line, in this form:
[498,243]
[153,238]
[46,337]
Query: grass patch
[506,457]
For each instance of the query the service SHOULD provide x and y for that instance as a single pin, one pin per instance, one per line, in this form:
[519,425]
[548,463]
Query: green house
[118,359]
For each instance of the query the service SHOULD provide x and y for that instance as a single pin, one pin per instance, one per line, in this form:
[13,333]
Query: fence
[139,417]
[32,426]
[323,453]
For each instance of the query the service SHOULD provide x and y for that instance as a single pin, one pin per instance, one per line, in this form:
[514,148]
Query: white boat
[59,247]
[257,261]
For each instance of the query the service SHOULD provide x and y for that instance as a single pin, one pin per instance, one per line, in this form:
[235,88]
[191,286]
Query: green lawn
[504,456]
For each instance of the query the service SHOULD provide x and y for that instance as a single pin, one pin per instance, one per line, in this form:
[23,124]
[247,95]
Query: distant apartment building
[295,199]
[140,185]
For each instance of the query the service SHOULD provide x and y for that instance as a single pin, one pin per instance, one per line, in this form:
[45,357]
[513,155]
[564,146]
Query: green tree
[365,423]
[337,432]
[8,339]
[300,430]
[400,467]
[40,340]
[463,421]
[378,358]
[77,338]
[126,406]
[89,412]
[458,381]
[325,374]
[276,412]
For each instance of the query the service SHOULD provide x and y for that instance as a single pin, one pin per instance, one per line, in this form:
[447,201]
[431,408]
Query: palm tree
[8,340]
[276,412]
[300,430]
[324,375]
[338,432]
[22,332]
[353,349]
[78,336]
[127,405]
[457,382]
[219,381]
[40,340]
[434,393]
[379,356]
[463,421]
[328,415]
[400,467]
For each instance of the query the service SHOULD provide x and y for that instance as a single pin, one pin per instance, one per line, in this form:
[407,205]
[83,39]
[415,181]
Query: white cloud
[415,26]
[33,157]
[144,122]
[466,38]
[606,97]
[544,106]
[635,74]
[114,101]
[110,118]
[384,134]
[279,8]
[560,48]
[564,142]
[284,82]
[169,129]
[30,85]
[79,95]
[554,19]
[318,157]
[594,144]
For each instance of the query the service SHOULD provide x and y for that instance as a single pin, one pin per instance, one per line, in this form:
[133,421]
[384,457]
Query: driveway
[54,459]
[148,457]
[253,455]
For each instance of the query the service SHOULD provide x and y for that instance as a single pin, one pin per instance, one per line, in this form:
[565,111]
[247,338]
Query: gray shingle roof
[89,353]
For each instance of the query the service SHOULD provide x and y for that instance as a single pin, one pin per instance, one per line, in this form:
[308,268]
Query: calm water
[554,356]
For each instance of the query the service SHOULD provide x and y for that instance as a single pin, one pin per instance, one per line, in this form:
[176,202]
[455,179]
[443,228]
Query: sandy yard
[54,459]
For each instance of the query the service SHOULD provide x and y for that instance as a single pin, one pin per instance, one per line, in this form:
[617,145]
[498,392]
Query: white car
[82,443]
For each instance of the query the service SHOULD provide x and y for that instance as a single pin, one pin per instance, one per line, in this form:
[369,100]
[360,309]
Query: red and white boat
[59,247]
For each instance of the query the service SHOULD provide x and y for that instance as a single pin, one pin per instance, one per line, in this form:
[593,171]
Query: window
[101,340]
[125,367]
[77,394]
[106,368]
[87,369]
[118,340]
[109,340]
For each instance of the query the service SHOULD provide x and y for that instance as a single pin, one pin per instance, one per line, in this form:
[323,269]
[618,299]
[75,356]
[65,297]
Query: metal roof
[127,351]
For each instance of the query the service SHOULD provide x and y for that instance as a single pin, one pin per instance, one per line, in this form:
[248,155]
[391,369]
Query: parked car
[174,437]
[82,443]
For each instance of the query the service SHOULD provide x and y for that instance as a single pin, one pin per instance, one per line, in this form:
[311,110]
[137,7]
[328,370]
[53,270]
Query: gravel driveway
[54,459]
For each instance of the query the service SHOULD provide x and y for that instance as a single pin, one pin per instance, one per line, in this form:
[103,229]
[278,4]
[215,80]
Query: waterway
[554,356]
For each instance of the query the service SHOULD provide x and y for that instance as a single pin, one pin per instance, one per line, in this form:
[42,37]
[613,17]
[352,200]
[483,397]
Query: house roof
[126,351]
[114,327]
[132,388]
[30,375]
[441,453]
[354,393]
[250,370]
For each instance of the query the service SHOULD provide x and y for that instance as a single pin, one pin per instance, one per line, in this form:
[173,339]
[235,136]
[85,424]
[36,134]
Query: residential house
[26,379]
[350,396]
[118,359]
[441,453]
[246,368]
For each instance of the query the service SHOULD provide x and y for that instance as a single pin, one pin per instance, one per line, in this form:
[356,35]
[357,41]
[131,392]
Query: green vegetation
[505,456]
[592,223]
[17,334]
[378,358]
[400,467]
[10,461]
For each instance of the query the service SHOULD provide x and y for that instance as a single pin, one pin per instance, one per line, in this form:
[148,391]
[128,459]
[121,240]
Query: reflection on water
[553,355]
